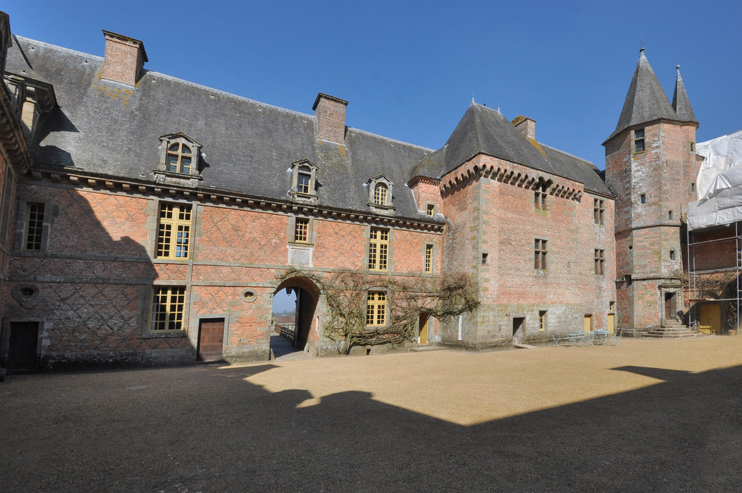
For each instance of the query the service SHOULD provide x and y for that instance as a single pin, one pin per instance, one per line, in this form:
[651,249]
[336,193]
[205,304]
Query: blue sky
[410,69]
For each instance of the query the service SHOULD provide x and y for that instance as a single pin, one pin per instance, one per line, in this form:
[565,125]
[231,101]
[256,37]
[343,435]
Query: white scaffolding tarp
[719,183]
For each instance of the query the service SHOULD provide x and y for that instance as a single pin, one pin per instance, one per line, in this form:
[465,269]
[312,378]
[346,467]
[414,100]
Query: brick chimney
[526,126]
[330,113]
[124,58]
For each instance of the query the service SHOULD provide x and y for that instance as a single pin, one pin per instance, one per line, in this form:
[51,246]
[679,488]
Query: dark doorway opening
[305,306]
[22,346]
[293,326]
[670,306]
[210,339]
[518,324]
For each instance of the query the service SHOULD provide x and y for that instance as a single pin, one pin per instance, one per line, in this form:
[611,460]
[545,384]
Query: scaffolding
[693,295]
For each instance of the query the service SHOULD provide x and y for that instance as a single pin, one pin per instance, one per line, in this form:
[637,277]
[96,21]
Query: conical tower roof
[646,100]
[680,101]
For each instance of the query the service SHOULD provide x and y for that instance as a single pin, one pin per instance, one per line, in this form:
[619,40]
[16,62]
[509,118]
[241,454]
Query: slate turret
[651,166]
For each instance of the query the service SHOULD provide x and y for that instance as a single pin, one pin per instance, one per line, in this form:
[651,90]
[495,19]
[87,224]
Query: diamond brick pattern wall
[339,245]
[409,251]
[226,273]
[93,223]
[242,236]
[89,317]
[35,268]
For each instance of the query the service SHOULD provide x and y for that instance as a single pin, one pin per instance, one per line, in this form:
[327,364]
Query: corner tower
[650,165]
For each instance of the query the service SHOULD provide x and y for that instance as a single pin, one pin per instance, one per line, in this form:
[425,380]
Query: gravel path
[644,416]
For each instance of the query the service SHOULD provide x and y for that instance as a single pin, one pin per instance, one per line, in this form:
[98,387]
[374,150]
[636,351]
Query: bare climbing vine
[345,297]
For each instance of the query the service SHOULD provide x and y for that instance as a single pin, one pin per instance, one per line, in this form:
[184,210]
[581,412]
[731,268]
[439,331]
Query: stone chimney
[124,58]
[526,126]
[330,113]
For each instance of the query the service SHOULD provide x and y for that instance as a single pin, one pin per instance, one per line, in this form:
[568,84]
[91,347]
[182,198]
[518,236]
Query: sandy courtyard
[643,416]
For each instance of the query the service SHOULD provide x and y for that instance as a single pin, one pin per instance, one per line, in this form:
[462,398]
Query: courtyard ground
[649,415]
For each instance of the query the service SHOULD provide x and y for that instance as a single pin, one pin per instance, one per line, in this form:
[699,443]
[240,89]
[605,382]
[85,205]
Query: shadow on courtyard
[205,429]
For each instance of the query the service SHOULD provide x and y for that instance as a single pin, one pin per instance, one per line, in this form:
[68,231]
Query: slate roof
[646,101]
[483,130]
[681,102]
[248,147]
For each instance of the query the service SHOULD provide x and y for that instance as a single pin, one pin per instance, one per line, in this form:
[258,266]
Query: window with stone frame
[539,254]
[539,196]
[378,249]
[168,308]
[430,210]
[599,212]
[174,231]
[599,262]
[428,259]
[376,309]
[380,194]
[542,321]
[303,181]
[34,226]
[301,230]
[179,158]
[639,140]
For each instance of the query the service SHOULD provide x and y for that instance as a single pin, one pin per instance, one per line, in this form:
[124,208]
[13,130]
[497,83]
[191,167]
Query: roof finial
[677,67]
[641,39]
[472,98]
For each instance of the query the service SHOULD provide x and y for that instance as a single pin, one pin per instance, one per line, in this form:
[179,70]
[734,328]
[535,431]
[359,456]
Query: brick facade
[493,213]
[90,281]
[647,232]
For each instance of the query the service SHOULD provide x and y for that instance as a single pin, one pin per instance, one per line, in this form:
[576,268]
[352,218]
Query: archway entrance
[294,327]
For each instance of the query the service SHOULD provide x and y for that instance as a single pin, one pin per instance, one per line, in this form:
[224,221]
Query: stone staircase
[672,330]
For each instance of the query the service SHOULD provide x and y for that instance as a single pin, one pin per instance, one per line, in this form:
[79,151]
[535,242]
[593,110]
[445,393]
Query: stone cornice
[510,174]
[12,141]
[81,179]
[425,180]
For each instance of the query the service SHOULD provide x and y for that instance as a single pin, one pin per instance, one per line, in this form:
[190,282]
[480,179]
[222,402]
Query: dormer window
[179,158]
[303,182]
[381,193]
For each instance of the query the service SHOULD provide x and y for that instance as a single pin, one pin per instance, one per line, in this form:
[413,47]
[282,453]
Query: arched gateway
[306,334]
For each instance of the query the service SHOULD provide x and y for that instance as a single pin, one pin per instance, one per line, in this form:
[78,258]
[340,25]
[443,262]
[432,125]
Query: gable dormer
[303,181]
[179,160]
[380,194]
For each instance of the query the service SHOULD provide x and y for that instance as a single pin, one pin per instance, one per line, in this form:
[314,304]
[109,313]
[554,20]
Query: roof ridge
[176,79]
[567,153]
[62,48]
[390,139]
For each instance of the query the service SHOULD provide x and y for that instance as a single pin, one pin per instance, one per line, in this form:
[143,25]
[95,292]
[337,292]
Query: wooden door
[669,306]
[22,346]
[424,328]
[210,339]
[710,319]
[588,323]
[611,323]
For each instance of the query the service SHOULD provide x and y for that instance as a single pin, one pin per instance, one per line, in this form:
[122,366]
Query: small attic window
[381,193]
[179,158]
[430,210]
[303,181]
